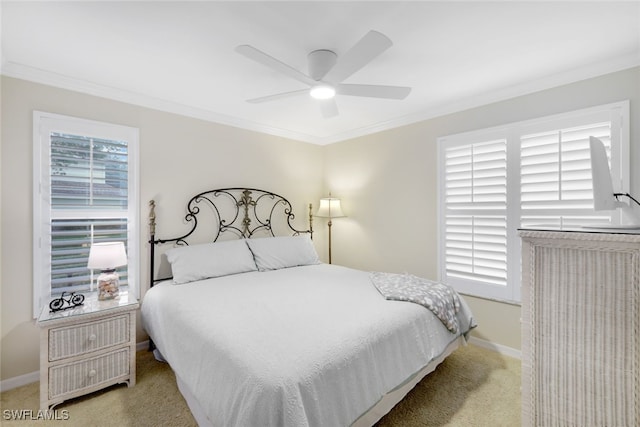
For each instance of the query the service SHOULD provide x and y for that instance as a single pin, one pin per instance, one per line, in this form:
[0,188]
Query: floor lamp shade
[106,257]
[330,208]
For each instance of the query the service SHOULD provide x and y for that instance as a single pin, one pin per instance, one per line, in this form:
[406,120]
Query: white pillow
[272,253]
[197,262]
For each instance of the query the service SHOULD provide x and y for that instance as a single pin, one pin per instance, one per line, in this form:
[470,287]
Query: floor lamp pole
[329,240]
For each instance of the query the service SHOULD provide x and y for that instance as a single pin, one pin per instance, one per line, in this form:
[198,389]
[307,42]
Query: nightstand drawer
[65,379]
[91,336]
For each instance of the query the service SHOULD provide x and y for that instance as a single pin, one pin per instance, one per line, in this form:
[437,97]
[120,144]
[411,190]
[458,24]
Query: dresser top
[610,230]
[91,307]
[594,234]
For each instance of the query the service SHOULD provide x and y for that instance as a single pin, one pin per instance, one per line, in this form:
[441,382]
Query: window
[85,191]
[493,181]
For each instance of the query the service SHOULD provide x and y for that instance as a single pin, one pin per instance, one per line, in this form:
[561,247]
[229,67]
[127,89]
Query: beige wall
[388,186]
[387,182]
[179,156]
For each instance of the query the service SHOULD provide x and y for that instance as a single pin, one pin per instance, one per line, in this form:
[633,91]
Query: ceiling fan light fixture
[322,91]
[326,74]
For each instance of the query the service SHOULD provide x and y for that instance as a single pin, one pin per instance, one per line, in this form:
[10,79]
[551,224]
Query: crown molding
[36,75]
[549,82]
[20,71]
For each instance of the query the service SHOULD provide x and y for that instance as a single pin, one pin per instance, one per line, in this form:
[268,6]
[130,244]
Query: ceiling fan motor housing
[320,62]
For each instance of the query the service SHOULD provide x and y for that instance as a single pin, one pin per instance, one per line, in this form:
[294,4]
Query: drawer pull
[92,337]
[92,373]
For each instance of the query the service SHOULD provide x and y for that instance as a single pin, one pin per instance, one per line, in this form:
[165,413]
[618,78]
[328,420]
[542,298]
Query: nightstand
[86,348]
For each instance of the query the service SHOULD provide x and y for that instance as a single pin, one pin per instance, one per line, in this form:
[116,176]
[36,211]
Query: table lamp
[107,257]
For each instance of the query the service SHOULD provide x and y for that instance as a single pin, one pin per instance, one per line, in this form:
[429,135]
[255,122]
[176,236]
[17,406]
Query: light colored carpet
[473,387]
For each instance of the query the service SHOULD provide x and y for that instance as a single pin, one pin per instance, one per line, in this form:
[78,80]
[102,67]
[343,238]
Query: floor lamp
[330,208]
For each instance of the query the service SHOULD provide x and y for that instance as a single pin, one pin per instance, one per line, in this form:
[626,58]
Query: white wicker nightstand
[86,348]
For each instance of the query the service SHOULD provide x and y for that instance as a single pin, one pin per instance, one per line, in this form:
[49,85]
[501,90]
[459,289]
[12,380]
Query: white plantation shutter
[85,188]
[475,204]
[476,248]
[529,174]
[476,175]
[555,168]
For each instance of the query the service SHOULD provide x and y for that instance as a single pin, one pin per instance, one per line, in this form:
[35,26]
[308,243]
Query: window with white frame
[85,191]
[528,174]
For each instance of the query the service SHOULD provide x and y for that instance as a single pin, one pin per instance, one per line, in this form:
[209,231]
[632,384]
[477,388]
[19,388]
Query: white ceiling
[179,56]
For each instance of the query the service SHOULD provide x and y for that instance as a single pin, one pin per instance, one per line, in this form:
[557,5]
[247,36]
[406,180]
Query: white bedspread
[305,346]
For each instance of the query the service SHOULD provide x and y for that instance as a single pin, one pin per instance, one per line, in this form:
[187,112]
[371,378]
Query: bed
[259,332]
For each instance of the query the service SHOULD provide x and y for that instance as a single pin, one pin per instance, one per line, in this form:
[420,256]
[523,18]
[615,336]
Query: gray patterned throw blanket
[441,299]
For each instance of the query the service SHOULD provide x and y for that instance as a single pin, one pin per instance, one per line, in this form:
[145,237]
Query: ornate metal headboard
[240,212]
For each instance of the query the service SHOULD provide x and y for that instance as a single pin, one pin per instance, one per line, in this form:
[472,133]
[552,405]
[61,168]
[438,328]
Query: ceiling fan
[327,71]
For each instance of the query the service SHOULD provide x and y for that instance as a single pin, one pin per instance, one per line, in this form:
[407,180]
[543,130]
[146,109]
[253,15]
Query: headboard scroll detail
[243,212]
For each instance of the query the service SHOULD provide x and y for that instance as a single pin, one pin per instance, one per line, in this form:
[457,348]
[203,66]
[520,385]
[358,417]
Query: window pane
[71,240]
[476,180]
[555,168]
[88,172]
[476,248]
[476,176]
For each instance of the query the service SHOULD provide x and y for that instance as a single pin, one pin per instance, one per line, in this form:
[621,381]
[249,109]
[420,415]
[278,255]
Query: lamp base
[108,285]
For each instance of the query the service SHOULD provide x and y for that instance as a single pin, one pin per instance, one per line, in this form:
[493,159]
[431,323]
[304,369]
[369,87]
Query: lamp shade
[107,256]
[330,208]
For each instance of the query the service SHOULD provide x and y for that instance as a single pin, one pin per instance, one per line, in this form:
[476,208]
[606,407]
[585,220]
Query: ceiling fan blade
[278,96]
[374,91]
[329,108]
[370,46]
[269,61]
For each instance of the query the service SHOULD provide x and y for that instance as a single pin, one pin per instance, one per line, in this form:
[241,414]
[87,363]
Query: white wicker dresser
[86,348]
[580,326]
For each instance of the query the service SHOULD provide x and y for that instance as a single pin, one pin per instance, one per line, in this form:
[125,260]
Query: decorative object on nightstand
[107,257]
[86,348]
[330,208]
[73,300]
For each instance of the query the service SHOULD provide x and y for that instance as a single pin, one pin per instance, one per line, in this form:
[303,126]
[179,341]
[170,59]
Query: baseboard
[19,381]
[502,349]
[34,377]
